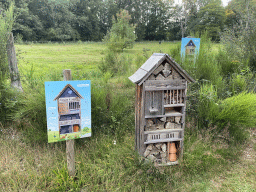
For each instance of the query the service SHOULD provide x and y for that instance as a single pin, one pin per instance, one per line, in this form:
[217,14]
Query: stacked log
[156,152]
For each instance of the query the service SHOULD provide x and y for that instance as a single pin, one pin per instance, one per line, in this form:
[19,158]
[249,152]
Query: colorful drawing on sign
[68,109]
[190,47]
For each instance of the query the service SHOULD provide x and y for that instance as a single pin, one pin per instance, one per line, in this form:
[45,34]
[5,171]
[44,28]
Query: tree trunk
[12,62]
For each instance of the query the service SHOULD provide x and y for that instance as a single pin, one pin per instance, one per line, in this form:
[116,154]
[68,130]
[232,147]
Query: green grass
[102,165]
[82,58]
[47,58]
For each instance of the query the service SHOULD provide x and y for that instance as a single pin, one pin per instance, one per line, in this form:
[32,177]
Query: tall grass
[102,165]
[112,108]
[240,112]
[207,104]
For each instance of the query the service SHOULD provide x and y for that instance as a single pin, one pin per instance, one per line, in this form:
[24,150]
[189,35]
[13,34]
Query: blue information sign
[68,109]
[190,46]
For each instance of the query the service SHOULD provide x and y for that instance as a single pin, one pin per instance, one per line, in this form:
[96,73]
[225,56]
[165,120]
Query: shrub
[33,107]
[112,110]
[227,64]
[207,104]
[237,112]
[203,103]
[116,64]
[238,83]
[9,102]
[121,34]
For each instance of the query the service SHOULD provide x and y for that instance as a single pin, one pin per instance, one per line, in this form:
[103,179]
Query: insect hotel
[69,110]
[161,86]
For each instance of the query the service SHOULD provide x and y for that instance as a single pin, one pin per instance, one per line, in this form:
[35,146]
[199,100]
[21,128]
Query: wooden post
[12,62]
[137,116]
[70,151]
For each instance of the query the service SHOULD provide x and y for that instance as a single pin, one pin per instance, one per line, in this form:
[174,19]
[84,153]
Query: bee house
[161,87]
[69,110]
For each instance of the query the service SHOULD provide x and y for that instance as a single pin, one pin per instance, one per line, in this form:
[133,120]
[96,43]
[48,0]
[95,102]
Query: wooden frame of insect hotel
[161,87]
[69,110]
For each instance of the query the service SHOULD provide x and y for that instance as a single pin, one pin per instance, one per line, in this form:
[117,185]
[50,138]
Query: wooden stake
[70,144]
[12,62]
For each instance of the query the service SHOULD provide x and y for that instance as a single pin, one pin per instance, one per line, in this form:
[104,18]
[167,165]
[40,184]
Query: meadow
[107,161]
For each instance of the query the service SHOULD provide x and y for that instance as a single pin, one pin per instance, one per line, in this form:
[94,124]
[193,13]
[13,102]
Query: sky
[224,2]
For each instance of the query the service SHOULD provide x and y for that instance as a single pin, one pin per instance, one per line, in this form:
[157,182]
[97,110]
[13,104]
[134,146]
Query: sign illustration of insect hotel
[161,86]
[68,105]
[69,102]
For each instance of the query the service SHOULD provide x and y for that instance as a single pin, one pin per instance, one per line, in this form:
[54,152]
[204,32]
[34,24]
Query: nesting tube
[172,152]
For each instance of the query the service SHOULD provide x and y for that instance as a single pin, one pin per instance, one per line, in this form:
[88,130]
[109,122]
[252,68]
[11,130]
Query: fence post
[70,151]
[12,62]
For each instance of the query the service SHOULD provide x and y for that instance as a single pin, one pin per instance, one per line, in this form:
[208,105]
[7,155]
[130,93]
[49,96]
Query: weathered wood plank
[154,88]
[169,115]
[167,164]
[158,69]
[175,105]
[12,62]
[153,103]
[67,75]
[142,147]
[163,140]
[137,116]
[138,75]
[183,123]
[163,131]
[173,113]
[70,151]
[164,83]
[161,136]
[150,65]
[70,157]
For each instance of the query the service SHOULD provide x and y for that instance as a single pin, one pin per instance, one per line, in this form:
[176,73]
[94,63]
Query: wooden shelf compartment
[166,115]
[173,111]
[174,105]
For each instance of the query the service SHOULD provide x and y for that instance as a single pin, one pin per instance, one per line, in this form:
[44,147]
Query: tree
[121,36]
[211,18]
[157,20]
[27,25]
[88,19]
[240,36]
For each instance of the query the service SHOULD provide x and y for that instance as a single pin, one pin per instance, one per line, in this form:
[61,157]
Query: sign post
[70,144]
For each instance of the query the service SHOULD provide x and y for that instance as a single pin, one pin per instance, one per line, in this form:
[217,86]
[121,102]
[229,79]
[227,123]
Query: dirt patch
[249,153]
[241,174]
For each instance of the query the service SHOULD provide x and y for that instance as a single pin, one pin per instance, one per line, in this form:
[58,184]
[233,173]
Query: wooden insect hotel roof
[72,88]
[151,65]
